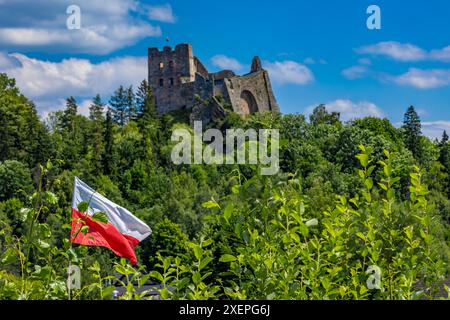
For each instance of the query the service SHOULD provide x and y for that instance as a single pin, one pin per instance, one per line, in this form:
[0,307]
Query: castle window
[161,65]
[161,82]
[171,82]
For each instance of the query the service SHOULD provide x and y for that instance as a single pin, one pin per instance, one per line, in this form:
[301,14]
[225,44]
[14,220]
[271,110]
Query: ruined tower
[180,81]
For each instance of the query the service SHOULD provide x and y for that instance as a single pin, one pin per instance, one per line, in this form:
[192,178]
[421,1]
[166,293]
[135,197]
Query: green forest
[350,198]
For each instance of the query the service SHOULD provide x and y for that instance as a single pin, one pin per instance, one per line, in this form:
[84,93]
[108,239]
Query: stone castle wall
[179,81]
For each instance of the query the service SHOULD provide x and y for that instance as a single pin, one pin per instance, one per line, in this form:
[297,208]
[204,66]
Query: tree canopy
[349,196]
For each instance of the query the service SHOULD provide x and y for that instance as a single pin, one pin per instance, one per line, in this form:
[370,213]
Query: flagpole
[69,282]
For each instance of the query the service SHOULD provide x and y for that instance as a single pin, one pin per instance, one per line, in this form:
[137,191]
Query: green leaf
[228,212]
[205,262]
[361,235]
[283,142]
[383,186]
[196,277]
[9,257]
[95,267]
[66,226]
[44,273]
[73,255]
[207,243]
[369,183]
[387,171]
[304,230]
[361,174]
[50,198]
[302,208]
[42,244]
[235,189]
[210,205]
[165,294]
[83,207]
[100,217]
[382,163]
[367,196]
[143,280]
[107,292]
[156,275]
[409,232]
[198,252]
[390,194]
[312,223]
[183,283]
[363,159]
[227,258]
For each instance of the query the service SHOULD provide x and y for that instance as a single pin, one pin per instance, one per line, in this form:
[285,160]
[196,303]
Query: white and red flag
[121,232]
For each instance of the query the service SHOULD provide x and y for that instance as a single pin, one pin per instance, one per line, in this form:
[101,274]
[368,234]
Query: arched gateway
[248,102]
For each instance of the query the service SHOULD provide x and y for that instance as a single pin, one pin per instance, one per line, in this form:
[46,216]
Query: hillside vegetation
[350,198]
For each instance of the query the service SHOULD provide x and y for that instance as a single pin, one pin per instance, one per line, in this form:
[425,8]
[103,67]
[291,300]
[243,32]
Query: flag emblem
[104,223]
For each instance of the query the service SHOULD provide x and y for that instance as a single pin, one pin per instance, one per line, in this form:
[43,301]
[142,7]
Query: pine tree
[96,131]
[96,109]
[73,134]
[444,140]
[131,104]
[412,132]
[148,121]
[119,106]
[145,103]
[69,114]
[108,156]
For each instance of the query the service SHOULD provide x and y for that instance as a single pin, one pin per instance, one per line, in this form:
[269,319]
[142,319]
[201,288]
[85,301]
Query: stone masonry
[180,81]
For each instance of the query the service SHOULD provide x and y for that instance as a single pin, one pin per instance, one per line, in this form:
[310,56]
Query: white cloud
[441,54]
[83,107]
[281,72]
[48,82]
[105,26]
[7,62]
[359,71]
[355,72]
[289,72]
[395,50]
[405,52]
[414,77]
[32,37]
[435,129]
[423,79]
[162,13]
[226,63]
[351,110]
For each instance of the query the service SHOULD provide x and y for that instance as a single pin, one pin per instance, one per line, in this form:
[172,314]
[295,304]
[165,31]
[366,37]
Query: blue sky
[316,52]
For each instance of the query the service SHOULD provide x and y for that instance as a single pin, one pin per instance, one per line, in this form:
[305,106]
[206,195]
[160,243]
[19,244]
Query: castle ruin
[180,81]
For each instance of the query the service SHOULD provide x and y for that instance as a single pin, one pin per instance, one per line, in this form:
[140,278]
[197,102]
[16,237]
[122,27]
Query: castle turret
[256,64]
[167,71]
